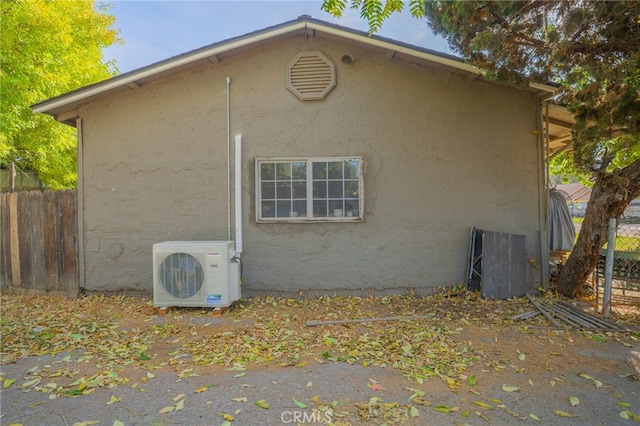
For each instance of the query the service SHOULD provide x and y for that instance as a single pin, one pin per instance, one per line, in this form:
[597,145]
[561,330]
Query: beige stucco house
[364,162]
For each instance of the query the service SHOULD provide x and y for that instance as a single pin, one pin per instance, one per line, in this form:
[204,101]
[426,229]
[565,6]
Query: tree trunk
[611,194]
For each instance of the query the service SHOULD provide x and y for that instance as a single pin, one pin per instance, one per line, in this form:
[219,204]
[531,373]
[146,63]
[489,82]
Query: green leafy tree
[47,48]
[592,49]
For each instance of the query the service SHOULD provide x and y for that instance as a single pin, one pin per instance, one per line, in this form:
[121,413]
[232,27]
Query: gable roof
[64,108]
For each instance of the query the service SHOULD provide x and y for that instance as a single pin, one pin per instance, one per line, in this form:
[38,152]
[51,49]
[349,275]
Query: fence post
[608,269]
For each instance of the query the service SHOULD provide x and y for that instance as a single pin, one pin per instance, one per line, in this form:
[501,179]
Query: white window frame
[353,215]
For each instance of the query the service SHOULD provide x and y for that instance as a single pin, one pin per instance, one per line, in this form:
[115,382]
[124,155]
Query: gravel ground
[529,374]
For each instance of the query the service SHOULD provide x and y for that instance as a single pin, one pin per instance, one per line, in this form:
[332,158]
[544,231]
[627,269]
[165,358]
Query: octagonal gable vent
[311,76]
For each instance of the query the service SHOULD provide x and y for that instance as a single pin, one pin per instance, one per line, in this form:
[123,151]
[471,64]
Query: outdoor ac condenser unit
[195,273]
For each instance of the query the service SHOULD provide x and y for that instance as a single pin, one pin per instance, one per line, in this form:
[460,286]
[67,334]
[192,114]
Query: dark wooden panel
[24,238]
[37,241]
[68,237]
[49,219]
[503,265]
[14,240]
[5,242]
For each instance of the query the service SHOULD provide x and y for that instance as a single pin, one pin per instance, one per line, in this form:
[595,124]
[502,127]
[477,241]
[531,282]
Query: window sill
[314,220]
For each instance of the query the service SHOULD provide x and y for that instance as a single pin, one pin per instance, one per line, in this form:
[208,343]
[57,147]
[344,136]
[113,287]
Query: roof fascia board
[547,90]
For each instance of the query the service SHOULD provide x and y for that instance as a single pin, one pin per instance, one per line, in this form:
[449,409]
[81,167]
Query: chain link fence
[625,289]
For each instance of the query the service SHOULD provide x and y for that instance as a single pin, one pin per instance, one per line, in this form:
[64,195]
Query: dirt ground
[452,358]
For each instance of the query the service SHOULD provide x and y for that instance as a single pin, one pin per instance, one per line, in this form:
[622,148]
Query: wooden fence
[39,242]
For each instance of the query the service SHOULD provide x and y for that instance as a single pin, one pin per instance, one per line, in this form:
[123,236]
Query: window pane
[335,189]
[268,190]
[299,190]
[351,189]
[352,208]
[299,171]
[300,206]
[320,189]
[283,209]
[266,171]
[335,170]
[319,208]
[283,171]
[283,190]
[268,209]
[336,205]
[320,170]
[351,169]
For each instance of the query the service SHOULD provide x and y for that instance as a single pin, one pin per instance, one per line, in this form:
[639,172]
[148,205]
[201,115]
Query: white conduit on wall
[237,181]
[238,194]
[228,158]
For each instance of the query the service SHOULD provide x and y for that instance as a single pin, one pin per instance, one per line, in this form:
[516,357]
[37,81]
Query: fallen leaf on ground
[414,412]
[203,388]
[262,404]
[564,413]
[483,405]
[167,409]
[114,399]
[375,386]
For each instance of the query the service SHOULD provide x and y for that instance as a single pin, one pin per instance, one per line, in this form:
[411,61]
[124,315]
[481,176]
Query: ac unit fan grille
[181,275]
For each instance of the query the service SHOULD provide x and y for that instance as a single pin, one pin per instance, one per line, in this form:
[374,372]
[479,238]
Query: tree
[48,48]
[591,48]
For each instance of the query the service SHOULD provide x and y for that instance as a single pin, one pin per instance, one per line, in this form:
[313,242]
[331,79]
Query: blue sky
[154,30]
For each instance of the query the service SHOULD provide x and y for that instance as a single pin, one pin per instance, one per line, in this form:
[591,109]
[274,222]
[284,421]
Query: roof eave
[63,107]
[133,78]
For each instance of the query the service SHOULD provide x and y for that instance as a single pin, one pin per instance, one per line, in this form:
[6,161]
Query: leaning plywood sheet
[497,264]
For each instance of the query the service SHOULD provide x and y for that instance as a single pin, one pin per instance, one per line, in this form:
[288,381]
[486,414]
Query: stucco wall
[441,154]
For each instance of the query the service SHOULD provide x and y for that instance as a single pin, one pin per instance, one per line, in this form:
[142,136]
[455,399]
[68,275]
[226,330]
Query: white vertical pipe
[228,158]
[238,194]
[608,269]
